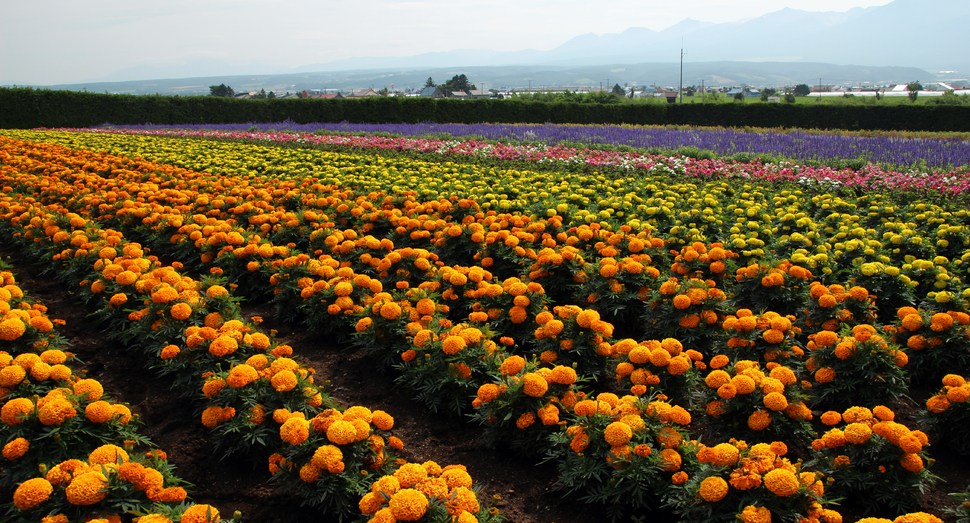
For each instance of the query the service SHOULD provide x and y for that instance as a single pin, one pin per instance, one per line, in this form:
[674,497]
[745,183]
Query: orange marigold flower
[31,493]
[781,482]
[775,401]
[284,380]
[87,489]
[753,514]
[408,505]
[512,365]
[16,448]
[713,489]
[534,385]
[200,514]
[89,388]
[342,432]
[99,411]
[618,433]
[912,462]
[242,375]
[759,420]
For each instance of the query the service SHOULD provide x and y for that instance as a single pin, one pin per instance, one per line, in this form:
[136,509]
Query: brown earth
[243,484]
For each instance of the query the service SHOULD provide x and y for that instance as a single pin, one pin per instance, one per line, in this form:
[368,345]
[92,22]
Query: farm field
[387,329]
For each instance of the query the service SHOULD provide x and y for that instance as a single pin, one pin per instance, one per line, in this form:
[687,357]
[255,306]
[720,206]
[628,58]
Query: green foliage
[802,90]
[221,90]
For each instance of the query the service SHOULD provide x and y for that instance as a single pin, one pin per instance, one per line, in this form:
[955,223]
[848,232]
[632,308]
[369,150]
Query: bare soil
[243,484]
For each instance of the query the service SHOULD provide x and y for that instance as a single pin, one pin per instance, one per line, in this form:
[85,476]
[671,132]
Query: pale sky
[44,42]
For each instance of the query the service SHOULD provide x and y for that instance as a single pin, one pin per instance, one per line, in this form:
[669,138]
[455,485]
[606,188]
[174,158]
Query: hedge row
[25,108]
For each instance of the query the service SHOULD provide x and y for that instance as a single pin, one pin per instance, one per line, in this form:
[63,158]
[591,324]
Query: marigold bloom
[99,411]
[16,448]
[31,493]
[725,454]
[87,489]
[408,504]
[12,375]
[223,345]
[713,489]
[912,462]
[90,388]
[775,401]
[342,432]
[671,460]
[759,420]
[781,482]
[284,380]
[512,365]
[295,430]
[200,514]
[753,514]
[382,420]
[534,385]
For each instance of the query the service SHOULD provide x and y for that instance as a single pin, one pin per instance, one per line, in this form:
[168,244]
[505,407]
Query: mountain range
[901,41]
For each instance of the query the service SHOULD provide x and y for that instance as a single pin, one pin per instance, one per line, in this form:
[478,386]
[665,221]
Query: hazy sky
[59,41]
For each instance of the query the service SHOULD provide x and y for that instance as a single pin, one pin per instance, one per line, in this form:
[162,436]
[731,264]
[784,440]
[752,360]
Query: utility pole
[680,89]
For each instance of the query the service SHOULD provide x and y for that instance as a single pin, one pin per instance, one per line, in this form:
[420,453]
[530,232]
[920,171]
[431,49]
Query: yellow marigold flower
[87,489]
[408,505]
[781,482]
[342,432]
[200,514]
[31,493]
[534,385]
[713,489]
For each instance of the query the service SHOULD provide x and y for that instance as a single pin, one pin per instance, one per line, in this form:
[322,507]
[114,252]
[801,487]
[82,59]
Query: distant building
[432,92]
[364,93]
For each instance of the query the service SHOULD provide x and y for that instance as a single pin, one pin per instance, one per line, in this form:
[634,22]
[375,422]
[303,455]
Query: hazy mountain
[913,33]
[897,42]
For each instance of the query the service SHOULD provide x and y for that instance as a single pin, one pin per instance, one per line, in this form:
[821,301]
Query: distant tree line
[30,108]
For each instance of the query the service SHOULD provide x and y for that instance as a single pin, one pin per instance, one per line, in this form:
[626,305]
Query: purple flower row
[888,149]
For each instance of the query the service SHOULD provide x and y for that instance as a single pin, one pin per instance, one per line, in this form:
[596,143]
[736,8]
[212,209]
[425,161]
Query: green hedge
[25,108]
